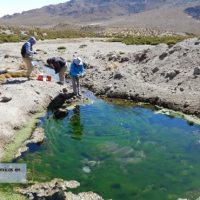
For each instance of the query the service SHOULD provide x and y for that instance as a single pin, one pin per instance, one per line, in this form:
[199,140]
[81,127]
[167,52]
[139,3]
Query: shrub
[149,40]
[9,38]
[61,48]
[82,46]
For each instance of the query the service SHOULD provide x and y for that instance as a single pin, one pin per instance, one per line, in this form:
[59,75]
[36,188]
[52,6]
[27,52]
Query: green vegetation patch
[82,46]
[21,136]
[11,195]
[9,38]
[191,119]
[149,40]
[21,34]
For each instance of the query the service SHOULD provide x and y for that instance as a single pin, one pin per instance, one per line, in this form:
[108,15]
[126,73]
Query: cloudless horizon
[9,7]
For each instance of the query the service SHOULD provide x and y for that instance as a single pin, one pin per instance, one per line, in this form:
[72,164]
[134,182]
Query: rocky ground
[168,76]
[162,75]
[56,189]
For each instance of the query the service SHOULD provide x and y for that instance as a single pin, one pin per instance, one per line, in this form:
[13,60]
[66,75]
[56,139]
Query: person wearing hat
[76,71]
[27,55]
[59,65]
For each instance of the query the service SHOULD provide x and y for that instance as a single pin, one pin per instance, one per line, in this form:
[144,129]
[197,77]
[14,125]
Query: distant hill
[194,12]
[84,12]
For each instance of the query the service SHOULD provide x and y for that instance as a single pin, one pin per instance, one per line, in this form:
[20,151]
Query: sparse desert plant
[121,52]
[6,56]
[111,66]
[9,38]
[82,46]
[149,40]
[9,74]
[17,74]
[115,40]
[42,51]
[61,48]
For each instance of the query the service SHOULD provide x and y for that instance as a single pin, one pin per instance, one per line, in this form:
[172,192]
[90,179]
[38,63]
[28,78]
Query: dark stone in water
[33,147]
[116,186]
[60,113]
[85,155]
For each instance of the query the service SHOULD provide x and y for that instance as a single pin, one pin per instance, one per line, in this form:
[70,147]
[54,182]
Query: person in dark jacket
[59,65]
[27,55]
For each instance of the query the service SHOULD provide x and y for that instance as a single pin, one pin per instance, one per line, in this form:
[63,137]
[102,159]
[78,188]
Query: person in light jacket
[59,65]
[76,71]
[27,55]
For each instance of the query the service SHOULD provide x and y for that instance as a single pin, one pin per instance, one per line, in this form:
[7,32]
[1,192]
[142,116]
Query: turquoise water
[121,151]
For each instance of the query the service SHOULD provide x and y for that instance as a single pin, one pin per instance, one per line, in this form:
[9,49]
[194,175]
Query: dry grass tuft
[17,74]
[112,66]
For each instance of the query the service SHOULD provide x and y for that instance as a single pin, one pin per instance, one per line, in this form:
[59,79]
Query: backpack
[23,50]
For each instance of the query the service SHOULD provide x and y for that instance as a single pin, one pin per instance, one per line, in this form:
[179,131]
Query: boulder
[55,189]
[82,196]
[140,57]
[154,70]
[50,190]
[172,74]
[61,113]
[118,76]
[124,59]
[196,71]
[162,56]
[5,99]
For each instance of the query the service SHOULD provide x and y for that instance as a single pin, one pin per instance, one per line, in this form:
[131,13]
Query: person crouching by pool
[76,71]
[60,67]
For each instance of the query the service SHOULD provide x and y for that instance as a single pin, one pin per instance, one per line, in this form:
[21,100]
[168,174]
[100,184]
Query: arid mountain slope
[111,12]
[194,12]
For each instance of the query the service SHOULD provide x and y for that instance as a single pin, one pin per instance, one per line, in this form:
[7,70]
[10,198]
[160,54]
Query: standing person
[59,65]
[27,55]
[76,71]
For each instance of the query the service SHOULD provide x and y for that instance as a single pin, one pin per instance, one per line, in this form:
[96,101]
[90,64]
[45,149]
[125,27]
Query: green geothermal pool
[121,151]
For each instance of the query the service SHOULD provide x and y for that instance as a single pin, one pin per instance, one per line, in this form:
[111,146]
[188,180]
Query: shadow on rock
[59,100]
[10,82]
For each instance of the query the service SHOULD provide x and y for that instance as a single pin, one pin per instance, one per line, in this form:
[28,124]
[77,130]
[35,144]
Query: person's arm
[82,70]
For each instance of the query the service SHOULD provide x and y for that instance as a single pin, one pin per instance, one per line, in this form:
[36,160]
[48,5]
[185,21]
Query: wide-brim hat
[77,61]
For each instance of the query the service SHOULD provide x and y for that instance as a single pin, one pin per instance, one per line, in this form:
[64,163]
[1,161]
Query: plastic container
[42,77]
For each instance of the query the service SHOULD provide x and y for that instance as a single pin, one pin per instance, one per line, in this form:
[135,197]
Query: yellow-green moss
[190,118]
[22,135]
[11,196]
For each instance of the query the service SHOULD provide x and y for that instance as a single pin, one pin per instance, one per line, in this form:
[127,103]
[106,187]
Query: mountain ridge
[84,12]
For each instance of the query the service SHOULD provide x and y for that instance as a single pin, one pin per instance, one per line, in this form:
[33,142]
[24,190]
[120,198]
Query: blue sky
[13,6]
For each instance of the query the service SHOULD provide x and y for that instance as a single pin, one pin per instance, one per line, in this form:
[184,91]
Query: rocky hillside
[88,11]
[164,75]
[194,12]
